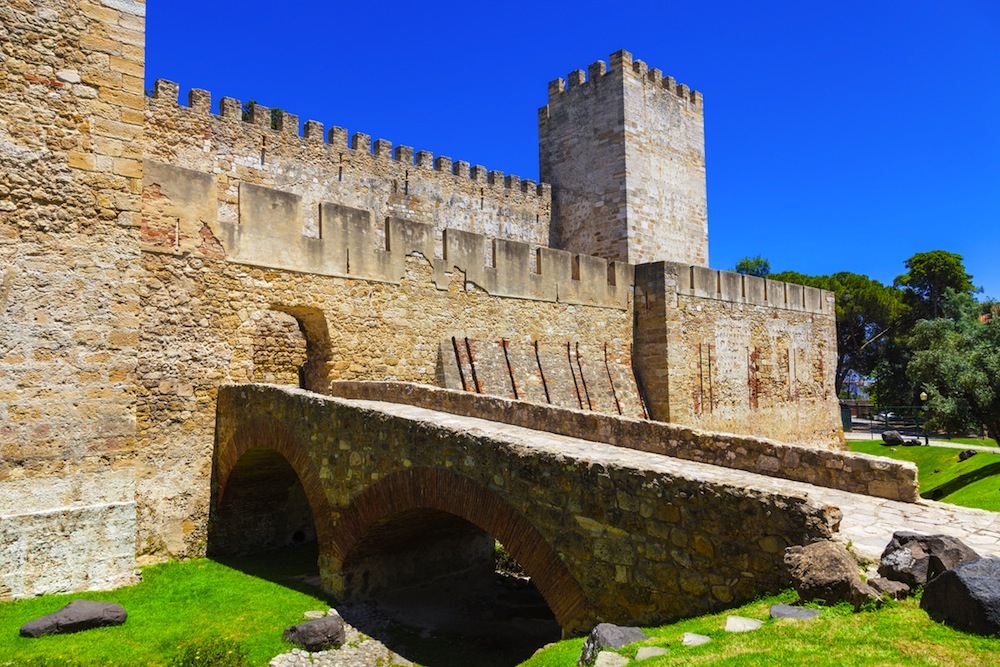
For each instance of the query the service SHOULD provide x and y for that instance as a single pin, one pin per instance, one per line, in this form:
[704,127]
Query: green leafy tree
[956,359]
[868,314]
[754,266]
[928,276]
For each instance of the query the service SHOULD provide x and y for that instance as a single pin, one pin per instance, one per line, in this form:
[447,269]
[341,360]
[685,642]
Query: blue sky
[840,136]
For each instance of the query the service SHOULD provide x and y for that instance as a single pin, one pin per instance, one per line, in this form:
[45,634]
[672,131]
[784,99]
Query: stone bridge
[399,493]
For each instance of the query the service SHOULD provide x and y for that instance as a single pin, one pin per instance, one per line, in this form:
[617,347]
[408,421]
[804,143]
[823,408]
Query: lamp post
[923,399]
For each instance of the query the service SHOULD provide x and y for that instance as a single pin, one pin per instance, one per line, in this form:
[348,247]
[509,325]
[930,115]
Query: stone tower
[624,151]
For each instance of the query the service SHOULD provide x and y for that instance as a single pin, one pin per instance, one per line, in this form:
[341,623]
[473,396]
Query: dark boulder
[827,571]
[967,597]
[317,635]
[915,559]
[967,454]
[607,636]
[76,616]
[892,438]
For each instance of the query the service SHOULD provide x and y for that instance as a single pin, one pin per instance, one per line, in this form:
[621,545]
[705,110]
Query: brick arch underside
[264,433]
[438,489]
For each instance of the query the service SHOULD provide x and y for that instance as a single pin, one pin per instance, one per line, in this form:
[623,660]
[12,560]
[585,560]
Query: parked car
[885,416]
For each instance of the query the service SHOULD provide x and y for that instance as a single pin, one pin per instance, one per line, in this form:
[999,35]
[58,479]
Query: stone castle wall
[726,352]
[151,252]
[71,134]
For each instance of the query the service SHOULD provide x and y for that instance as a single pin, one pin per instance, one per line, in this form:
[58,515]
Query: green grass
[899,634]
[974,482]
[981,442]
[175,603]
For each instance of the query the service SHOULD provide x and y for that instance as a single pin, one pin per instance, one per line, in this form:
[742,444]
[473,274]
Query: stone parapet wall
[267,149]
[857,473]
[182,214]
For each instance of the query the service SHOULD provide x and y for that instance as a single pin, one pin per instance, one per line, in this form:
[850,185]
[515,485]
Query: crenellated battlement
[621,61]
[701,281]
[285,125]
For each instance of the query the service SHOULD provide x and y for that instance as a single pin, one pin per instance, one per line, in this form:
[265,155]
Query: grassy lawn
[900,634]
[982,442]
[175,602]
[974,482]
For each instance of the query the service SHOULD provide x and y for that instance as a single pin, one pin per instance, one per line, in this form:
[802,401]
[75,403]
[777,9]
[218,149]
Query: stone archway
[434,495]
[266,492]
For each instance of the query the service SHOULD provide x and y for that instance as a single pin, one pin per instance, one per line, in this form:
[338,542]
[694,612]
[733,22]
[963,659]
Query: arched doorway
[267,506]
[264,507]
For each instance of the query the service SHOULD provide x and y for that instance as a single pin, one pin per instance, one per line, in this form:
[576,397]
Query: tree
[956,360]
[754,266]
[867,313]
[928,276]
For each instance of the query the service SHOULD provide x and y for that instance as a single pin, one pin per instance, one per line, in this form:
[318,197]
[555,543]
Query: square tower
[624,150]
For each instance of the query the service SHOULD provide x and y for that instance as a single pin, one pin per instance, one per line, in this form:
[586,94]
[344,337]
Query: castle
[152,251]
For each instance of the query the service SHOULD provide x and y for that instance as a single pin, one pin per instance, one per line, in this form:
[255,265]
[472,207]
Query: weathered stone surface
[647,207]
[607,635]
[76,616]
[610,659]
[703,391]
[967,597]
[915,559]
[318,634]
[694,639]
[892,438]
[645,652]
[826,571]
[577,514]
[967,454]
[795,613]
[742,624]
[848,471]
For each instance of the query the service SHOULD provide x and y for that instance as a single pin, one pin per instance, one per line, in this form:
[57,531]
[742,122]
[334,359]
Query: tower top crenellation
[622,61]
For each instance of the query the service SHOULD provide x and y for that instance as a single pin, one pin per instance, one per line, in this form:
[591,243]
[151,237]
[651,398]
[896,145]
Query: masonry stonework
[606,534]
[152,252]
[624,150]
[71,136]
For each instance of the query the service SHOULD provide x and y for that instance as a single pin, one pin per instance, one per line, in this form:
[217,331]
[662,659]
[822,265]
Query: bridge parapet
[846,471]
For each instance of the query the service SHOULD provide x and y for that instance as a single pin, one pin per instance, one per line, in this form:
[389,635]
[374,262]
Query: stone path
[868,522]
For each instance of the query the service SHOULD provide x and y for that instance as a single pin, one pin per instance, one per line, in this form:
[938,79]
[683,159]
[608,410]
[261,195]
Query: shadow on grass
[293,567]
[960,482]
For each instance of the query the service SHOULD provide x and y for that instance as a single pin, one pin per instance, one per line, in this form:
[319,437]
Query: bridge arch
[442,490]
[264,450]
